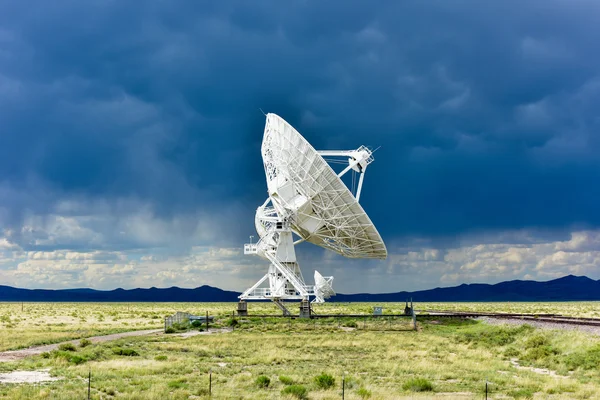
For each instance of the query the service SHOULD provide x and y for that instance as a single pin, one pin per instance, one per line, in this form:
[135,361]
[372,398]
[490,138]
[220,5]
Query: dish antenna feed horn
[309,202]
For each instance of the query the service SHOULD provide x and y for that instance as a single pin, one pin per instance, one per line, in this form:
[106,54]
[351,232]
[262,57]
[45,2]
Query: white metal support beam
[360,183]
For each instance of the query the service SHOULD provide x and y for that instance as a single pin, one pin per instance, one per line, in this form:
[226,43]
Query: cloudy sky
[130,137]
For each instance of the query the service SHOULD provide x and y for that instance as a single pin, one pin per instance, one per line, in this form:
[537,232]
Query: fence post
[207,321]
[343,385]
[210,382]
[90,384]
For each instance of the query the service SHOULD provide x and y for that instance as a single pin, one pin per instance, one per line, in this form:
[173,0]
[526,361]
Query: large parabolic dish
[301,181]
[309,199]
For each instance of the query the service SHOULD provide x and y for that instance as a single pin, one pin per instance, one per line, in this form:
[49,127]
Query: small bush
[521,393]
[75,359]
[351,324]
[45,355]
[67,347]
[364,393]
[494,336]
[512,352]
[418,385]
[161,358]
[286,380]
[178,384]
[84,343]
[197,324]
[263,381]
[586,360]
[180,326]
[297,391]
[125,352]
[170,330]
[324,381]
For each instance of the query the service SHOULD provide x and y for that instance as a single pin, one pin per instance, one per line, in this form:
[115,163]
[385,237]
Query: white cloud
[225,267]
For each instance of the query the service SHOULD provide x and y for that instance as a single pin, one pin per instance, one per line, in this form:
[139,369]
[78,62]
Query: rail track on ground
[552,318]
[429,314]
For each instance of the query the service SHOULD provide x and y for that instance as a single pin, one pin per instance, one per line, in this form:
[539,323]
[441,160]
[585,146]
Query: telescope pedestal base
[242,309]
[305,310]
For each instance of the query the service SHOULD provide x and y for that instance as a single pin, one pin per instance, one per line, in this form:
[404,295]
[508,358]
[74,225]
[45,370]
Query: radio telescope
[307,199]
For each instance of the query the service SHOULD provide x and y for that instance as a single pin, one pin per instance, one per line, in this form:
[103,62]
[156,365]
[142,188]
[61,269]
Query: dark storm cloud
[486,112]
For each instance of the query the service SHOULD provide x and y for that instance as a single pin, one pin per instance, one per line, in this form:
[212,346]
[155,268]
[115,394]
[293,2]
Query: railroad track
[552,318]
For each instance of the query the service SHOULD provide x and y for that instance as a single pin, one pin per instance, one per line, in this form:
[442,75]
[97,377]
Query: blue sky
[130,137]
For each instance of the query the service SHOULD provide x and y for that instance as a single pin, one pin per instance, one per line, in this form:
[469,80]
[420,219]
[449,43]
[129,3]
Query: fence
[186,318]
[177,318]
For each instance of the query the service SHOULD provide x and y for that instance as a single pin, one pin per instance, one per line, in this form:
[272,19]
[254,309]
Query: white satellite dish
[308,199]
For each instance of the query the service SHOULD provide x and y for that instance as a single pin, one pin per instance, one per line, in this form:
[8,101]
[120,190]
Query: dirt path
[13,355]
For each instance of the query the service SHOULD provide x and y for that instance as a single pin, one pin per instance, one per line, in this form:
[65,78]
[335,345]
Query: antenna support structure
[309,202]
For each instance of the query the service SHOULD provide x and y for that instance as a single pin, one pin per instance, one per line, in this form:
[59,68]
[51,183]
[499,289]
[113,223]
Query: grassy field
[381,359]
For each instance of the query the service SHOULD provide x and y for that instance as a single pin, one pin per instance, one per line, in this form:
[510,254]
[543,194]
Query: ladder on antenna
[289,275]
[305,310]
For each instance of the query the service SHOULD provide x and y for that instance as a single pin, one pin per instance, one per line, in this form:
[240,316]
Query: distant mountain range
[568,288]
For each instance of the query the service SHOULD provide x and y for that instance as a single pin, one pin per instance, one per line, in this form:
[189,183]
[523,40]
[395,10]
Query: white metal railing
[250,248]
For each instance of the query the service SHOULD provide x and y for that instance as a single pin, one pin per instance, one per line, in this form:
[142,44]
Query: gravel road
[13,355]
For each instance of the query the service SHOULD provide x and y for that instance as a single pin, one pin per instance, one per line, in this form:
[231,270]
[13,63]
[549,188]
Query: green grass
[297,391]
[380,358]
[324,381]
[418,385]
[262,381]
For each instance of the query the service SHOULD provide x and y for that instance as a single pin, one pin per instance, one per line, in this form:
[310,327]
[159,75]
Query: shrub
[197,324]
[521,393]
[84,343]
[125,352]
[589,359]
[67,347]
[180,326]
[364,393]
[297,391]
[494,336]
[286,380]
[178,384]
[351,324]
[263,381]
[161,358]
[324,381]
[232,322]
[539,348]
[512,352]
[170,330]
[76,359]
[418,385]
[45,355]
